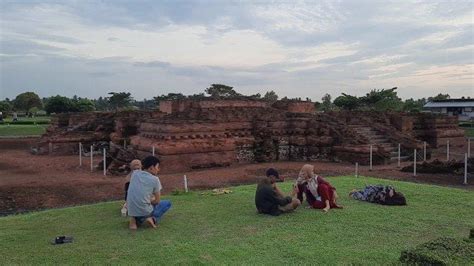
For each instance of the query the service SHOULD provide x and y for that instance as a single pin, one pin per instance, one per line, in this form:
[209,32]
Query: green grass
[31,119]
[225,229]
[469,132]
[22,130]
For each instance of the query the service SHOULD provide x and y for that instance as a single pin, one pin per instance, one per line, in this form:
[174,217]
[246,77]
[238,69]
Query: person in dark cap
[270,200]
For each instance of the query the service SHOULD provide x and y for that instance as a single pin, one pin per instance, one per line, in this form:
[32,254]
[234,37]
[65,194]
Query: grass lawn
[225,229]
[22,130]
[37,119]
[469,131]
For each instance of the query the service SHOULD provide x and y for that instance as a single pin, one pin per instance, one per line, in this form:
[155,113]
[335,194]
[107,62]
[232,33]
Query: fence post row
[465,169]
[370,168]
[424,151]
[398,164]
[80,154]
[185,183]
[447,150]
[414,163]
[105,163]
[92,158]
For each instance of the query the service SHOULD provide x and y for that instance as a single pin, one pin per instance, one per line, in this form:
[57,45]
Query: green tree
[326,104]
[5,107]
[83,105]
[270,96]
[414,106]
[347,102]
[439,97]
[101,104]
[120,99]
[27,100]
[59,104]
[221,91]
[382,100]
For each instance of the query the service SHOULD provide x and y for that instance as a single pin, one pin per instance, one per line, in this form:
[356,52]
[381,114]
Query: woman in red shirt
[319,193]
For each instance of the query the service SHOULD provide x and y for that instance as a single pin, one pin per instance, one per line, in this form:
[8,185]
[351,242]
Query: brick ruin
[189,134]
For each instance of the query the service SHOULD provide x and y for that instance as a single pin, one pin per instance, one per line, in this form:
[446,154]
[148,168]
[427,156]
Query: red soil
[30,182]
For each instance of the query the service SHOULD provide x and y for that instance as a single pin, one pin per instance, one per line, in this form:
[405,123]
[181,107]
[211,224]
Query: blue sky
[296,48]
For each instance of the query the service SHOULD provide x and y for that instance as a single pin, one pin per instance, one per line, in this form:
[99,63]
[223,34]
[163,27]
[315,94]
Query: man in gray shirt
[143,200]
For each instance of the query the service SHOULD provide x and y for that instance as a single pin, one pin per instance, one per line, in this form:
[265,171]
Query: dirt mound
[439,167]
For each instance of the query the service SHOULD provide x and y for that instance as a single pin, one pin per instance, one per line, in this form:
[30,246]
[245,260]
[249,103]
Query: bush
[442,251]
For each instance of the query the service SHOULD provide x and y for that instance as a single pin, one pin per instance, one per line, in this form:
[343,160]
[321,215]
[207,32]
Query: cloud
[299,49]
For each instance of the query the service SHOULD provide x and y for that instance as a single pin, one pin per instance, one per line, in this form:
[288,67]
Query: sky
[296,48]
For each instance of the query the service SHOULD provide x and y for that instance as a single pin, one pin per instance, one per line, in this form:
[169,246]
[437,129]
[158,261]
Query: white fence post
[105,163]
[80,154]
[357,170]
[398,164]
[185,183]
[50,146]
[124,144]
[447,150]
[92,158]
[370,167]
[424,151]
[465,169]
[153,151]
[414,163]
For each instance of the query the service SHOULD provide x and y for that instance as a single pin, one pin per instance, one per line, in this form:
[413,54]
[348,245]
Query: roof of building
[452,103]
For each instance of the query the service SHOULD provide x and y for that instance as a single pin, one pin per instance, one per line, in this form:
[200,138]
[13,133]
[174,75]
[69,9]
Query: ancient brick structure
[208,133]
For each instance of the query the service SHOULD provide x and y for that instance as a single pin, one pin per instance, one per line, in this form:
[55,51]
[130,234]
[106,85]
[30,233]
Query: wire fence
[400,155]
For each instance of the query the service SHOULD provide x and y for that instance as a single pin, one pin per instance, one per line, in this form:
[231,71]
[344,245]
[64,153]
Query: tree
[59,104]
[270,96]
[120,99]
[382,100]
[101,104]
[27,100]
[221,91]
[439,97]
[326,104]
[5,107]
[347,102]
[415,106]
[83,105]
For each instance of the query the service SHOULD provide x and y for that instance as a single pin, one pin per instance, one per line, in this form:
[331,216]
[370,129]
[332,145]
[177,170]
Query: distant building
[463,108]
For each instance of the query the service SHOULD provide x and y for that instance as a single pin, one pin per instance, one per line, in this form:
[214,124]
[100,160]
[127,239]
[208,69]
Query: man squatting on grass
[143,197]
[270,200]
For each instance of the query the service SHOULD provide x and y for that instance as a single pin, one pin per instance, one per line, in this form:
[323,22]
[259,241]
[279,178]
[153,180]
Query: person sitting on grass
[134,165]
[144,195]
[270,200]
[385,195]
[319,193]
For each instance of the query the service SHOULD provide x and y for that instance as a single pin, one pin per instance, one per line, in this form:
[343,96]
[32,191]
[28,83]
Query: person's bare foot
[132,224]
[151,222]
[326,209]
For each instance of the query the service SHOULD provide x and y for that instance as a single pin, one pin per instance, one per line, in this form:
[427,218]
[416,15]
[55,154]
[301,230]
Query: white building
[463,108]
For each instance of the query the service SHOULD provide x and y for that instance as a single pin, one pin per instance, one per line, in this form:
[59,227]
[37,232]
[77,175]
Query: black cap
[273,172]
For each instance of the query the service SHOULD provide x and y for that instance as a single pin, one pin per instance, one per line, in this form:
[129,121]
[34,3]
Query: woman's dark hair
[397,199]
[149,162]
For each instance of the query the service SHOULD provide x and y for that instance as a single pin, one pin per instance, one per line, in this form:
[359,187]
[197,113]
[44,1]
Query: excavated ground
[29,182]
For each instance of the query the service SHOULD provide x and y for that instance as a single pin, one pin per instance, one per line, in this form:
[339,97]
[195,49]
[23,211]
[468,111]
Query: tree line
[375,100]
